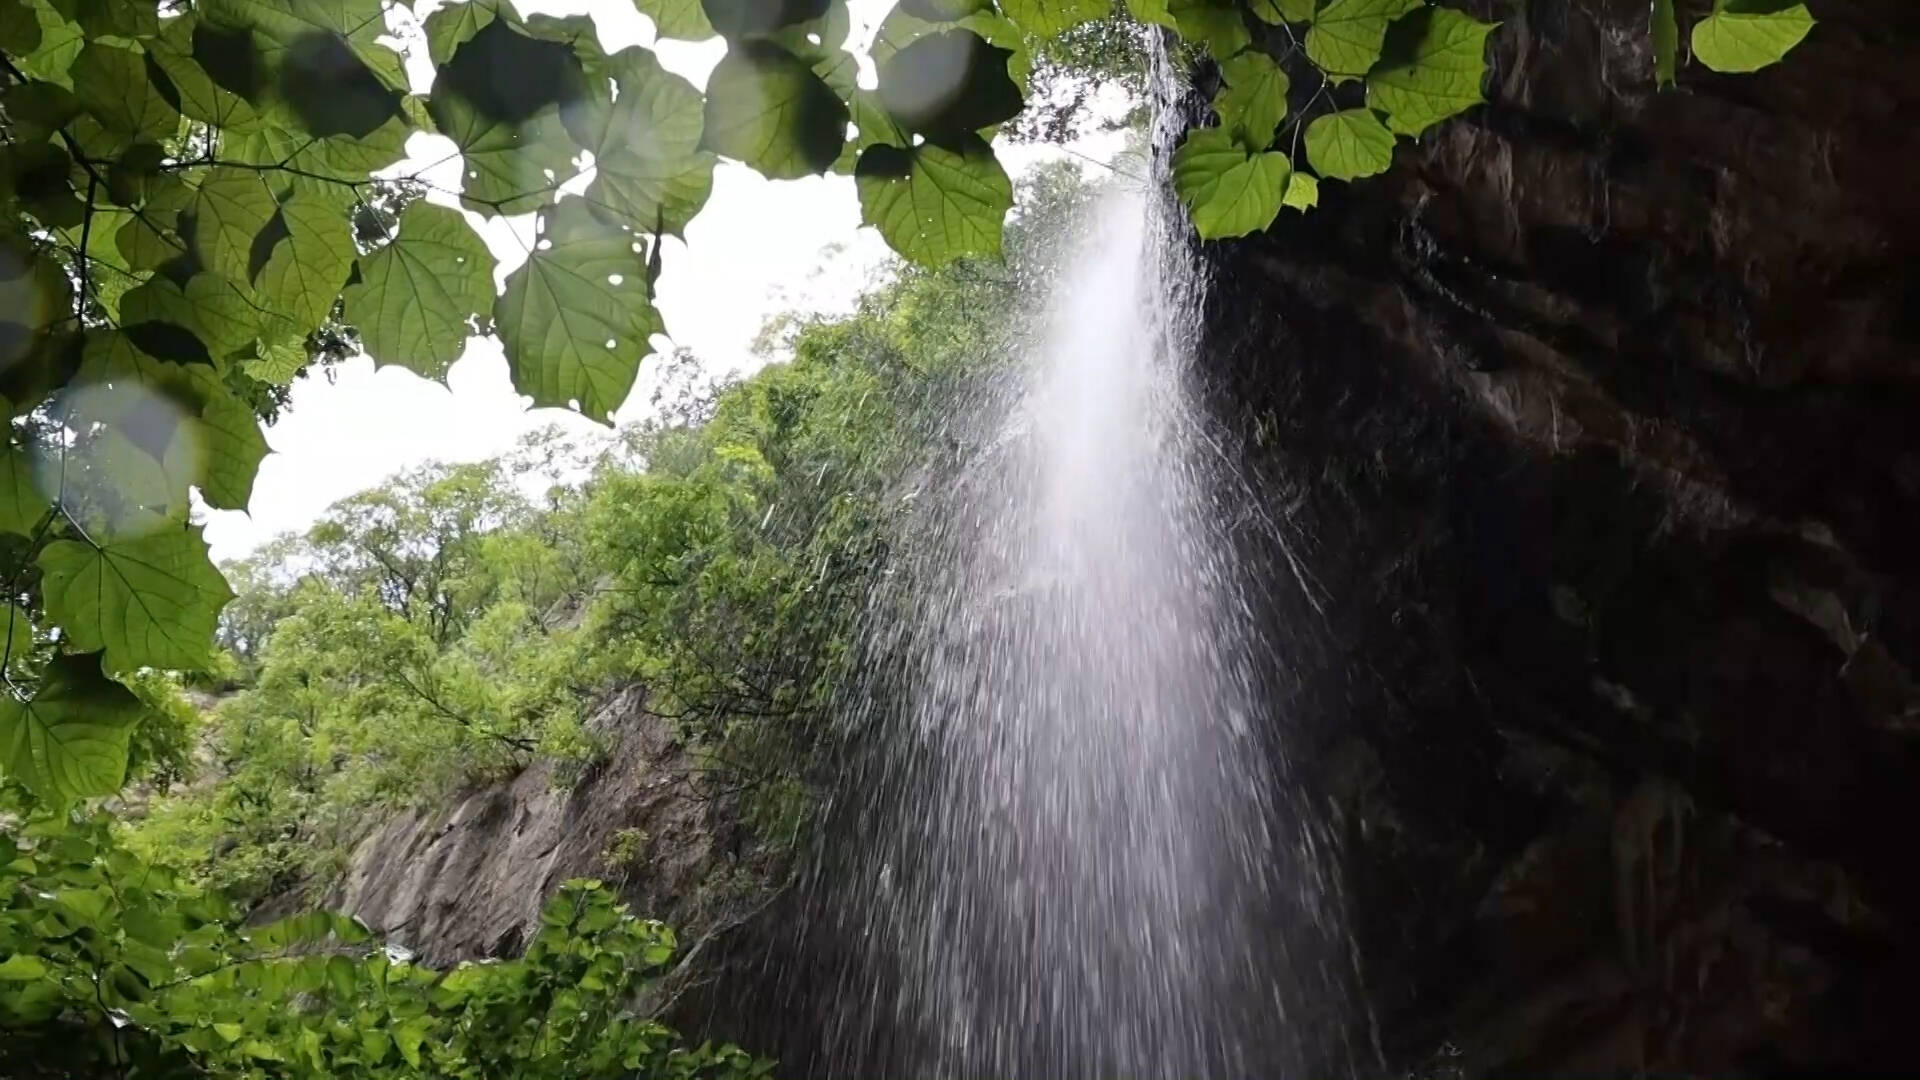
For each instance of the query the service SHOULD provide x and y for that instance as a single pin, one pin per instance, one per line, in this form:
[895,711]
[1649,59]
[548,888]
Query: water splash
[1068,858]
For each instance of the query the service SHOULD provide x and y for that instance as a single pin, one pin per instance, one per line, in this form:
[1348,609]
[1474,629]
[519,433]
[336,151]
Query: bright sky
[758,248]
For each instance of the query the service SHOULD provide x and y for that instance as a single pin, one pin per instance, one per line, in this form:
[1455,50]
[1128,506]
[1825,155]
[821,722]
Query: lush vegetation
[207,198]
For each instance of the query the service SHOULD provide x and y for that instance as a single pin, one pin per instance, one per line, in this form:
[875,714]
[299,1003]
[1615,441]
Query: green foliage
[1234,192]
[116,966]
[1421,62]
[192,205]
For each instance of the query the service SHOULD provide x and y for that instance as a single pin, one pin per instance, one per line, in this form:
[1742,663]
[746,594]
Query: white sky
[758,248]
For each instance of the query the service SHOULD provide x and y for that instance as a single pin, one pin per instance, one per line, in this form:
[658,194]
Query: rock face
[1589,440]
[467,880]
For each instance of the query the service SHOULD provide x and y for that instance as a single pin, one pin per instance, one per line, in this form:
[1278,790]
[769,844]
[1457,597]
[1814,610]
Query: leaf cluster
[1370,73]
[114,966]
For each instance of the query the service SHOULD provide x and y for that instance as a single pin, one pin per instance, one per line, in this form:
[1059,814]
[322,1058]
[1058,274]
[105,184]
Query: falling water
[1071,862]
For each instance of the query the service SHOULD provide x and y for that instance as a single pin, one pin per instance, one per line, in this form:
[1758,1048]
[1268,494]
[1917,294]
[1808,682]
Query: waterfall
[1074,854]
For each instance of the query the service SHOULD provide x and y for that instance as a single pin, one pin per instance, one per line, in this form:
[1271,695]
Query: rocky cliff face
[467,880]
[1592,435]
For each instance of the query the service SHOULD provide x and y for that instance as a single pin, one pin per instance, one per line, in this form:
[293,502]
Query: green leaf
[304,274]
[1349,144]
[576,317]
[683,20]
[34,295]
[1433,64]
[279,363]
[1254,101]
[60,42]
[1151,13]
[19,28]
[1303,191]
[1227,191]
[941,11]
[949,82]
[199,96]
[210,308]
[738,20]
[511,166]
[115,18]
[653,194]
[1346,36]
[1212,23]
[649,168]
[223,445]
[935,202]
[544,74]
[453,25]
[232,206]
[1747,35]
[1665,31]
[768,108]
[69,741]
[1275,12]
[421,296]
[280,26]
[20,967]
[38,109]
[148,601]
[1051,18]
[113,85]
[22,503]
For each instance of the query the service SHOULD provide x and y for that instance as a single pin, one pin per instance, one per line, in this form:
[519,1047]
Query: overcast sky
[758,248]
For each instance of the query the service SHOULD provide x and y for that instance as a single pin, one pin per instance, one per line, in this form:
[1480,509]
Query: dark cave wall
[1592,436]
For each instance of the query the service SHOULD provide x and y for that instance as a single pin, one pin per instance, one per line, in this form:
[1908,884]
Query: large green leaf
[149,601]
[1747,35]
[281,25]
[113,84]
[200,96]
[69,741]
[737,20]
[768,108]
[218,445]
[60,42]
[1213,23]
[1349,144]
[421,296]
[576,318]
[657,195]
[1254,101]
[304,274]
[509,167]
[1283,11]
[453,25]
[1051,18]
[19,28]
[232,206]
[685,20]
[22,503]
[1346,36]
[935,202]
[648,167]
[1432,67]
[949,82]
[210,308]
[1228,191]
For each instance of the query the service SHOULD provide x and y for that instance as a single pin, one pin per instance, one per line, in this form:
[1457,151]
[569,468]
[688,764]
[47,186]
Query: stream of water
[1071,862]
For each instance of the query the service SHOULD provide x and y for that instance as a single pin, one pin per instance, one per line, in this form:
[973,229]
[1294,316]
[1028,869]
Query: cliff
[1592,437]
[467,880]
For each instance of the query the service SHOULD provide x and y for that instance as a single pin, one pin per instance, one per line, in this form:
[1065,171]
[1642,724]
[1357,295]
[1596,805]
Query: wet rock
[1592,438]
